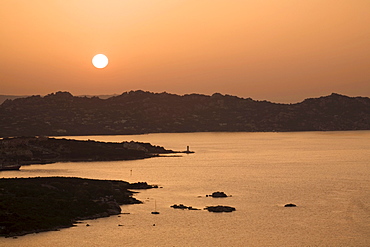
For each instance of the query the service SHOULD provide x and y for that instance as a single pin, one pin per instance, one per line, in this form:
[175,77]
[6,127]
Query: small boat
[155,208]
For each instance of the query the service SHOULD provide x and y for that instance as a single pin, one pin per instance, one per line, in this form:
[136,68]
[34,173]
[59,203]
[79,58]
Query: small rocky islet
[217,194]
[220,209]
[216,209]
[182,206]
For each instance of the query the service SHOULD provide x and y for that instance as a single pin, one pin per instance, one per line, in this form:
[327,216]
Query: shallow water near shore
[326,174]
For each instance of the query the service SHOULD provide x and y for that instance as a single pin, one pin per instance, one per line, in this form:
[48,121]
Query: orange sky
[278,50]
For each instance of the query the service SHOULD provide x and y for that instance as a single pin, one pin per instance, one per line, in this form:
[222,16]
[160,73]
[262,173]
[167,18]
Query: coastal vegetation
[30,205]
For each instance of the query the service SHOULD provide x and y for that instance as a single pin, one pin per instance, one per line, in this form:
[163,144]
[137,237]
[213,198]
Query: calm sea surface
[327,174]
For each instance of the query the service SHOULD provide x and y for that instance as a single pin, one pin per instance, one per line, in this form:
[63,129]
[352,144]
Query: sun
[100,61]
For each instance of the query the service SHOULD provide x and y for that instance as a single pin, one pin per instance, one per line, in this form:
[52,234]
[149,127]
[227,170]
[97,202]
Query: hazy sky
[278,50]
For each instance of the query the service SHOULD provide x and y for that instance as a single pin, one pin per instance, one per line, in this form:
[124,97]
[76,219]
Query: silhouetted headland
[18,151]
[138,112]
[29,205]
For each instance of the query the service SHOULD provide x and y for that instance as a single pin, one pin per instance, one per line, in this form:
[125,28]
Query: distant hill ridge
[137,112]
[5,97]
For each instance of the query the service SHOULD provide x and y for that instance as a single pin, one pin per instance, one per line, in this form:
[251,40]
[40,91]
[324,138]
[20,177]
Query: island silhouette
[138,112]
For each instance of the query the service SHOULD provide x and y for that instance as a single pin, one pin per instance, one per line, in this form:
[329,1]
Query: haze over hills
[5,97]
[138,112]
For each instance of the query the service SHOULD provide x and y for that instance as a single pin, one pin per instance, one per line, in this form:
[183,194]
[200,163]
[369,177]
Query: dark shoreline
[19,151]
[32,205]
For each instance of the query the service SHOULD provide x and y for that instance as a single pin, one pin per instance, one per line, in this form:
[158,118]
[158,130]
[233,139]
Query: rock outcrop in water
[218,194]
[139,112]
[182,206]
[220,209]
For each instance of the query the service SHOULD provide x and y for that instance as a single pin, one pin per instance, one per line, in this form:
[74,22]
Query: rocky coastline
[31,205]
[19,151]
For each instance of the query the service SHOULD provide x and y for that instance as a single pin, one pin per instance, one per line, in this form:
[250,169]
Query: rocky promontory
[43,150]
[29,205]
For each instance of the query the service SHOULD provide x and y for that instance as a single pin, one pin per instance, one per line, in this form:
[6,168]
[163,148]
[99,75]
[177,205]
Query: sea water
[326,174]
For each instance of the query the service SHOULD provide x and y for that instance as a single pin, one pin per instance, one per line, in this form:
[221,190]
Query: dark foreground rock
[220,209]
[29,205]
[290,205]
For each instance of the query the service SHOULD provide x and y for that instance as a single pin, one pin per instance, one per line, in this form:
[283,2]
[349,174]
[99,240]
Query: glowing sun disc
[100,61]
